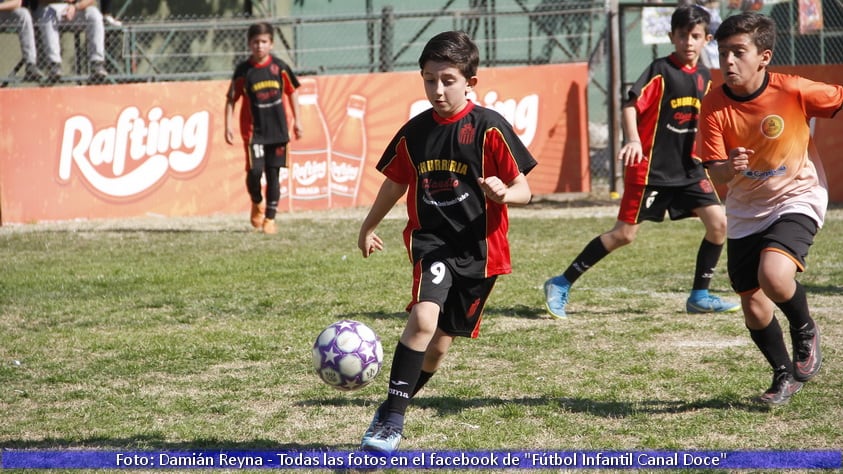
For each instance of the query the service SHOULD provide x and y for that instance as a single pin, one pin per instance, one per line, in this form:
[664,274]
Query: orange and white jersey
[785,174]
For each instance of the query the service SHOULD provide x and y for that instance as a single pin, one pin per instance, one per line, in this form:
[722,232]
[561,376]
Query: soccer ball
[347,355]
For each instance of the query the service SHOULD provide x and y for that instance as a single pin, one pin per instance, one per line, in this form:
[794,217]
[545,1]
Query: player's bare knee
[624,238]
[776,287]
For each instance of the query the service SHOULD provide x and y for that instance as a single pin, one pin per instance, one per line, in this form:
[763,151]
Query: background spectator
[13,11]
[81,13]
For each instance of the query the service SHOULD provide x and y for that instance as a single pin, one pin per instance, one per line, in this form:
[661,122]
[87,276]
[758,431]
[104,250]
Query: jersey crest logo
[472,310]
[651,199]
[466,136]
[772,126]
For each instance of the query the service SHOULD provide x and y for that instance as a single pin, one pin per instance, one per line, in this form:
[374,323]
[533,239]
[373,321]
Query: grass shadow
[607,409]
[159,443]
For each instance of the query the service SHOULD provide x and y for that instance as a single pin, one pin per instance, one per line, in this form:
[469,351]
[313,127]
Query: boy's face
[743,66]
[446,87]
[688,43]
[260,46]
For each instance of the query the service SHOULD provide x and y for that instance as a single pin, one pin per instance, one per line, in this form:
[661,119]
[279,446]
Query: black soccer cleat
[807,357]
[783,387]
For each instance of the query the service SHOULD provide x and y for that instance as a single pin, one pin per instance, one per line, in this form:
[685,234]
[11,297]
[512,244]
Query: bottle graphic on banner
[348,154]
[310,155]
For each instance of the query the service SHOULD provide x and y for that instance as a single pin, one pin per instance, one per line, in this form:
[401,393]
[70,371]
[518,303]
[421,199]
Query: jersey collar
[749,97]
[673,58]
[469,106]
[263,63]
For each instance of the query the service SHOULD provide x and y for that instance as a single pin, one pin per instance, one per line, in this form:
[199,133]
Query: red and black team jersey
[263,119]
[667,98]
[449,216]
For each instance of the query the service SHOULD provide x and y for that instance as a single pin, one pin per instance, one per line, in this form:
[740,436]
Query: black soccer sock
[771,343]
[273,191]
[593,252]
[707,257]
[424,376]
[403,378]
[796,309]
[253,185]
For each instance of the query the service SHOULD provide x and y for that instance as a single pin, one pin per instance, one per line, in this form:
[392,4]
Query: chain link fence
[644,29]
[519,32]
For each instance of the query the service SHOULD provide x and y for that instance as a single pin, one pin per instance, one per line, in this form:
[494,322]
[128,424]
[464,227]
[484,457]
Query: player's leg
[788,241]
[254,172]
[431,283]
[386,429]
[766,333]
[700,300]
[275,159]
[557,288]
[432,360]
[435,353]
[744,261]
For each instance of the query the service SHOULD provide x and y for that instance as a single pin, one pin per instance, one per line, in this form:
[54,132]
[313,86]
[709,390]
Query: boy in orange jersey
[756,137]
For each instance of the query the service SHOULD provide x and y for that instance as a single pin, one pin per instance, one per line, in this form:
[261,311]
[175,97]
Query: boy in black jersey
[663,171]
[263,80]
[460,164]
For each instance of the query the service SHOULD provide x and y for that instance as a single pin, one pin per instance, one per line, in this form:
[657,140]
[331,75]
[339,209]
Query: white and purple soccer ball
[347,355]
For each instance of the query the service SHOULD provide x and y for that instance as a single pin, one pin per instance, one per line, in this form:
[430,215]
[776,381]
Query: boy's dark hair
[454,47]
[761,28]
[686,17]
[262,28]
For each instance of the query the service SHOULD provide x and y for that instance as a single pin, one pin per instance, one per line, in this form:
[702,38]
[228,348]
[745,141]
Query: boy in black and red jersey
[663,172]
[459,164]
[263,80]
[756,137]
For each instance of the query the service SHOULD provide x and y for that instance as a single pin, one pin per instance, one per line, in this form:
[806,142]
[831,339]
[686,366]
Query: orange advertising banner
[118,151]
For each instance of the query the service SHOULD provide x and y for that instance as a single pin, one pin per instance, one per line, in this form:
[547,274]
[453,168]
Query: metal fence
[793,47]
[522,32]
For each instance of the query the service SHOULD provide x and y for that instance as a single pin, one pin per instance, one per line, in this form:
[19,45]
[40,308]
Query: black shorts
[791,235]
[649,203]
[272,155]
[461,300]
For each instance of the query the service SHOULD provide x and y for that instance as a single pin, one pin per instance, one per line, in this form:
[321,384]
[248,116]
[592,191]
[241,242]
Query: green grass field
[193,334]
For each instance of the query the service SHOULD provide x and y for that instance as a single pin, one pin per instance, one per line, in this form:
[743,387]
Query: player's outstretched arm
[389,194]
[516,192]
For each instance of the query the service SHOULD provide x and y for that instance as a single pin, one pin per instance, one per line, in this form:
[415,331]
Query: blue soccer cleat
[556,295]
[373,426]
[710,304]
[384,439]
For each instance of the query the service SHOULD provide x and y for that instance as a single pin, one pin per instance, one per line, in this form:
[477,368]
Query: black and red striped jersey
[449,217]
[667,97]
[263,119]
